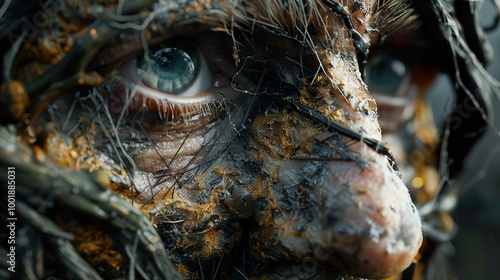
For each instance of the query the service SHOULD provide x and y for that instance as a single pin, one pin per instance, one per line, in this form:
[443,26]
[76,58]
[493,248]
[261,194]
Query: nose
[333,199]
[368,225]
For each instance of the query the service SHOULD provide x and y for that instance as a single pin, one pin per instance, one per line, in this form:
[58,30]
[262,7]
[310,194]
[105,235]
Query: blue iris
[171,70]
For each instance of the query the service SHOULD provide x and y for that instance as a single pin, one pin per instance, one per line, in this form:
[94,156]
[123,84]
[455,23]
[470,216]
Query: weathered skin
[236,169]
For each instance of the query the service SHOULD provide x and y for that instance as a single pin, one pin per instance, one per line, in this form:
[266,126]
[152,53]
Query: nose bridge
[342,90]
[367,216]
[342,47]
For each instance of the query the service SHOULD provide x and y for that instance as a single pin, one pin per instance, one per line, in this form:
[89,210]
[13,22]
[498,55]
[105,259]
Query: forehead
[290,16]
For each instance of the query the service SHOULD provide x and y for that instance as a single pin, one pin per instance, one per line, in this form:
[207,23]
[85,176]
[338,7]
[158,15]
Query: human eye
[177,73]
[180,77]
[173,70]
[387,74]
[238,128]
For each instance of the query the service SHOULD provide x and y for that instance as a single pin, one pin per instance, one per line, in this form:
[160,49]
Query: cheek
[173,154]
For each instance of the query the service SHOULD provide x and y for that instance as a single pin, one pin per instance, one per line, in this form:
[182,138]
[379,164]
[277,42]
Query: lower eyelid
[201,97]
[135,97]
[129,77]
[405,94]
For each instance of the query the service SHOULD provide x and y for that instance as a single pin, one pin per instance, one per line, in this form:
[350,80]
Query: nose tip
[359,220]
[352,212]
[344,199]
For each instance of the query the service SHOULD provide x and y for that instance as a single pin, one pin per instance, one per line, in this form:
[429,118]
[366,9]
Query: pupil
[163,58]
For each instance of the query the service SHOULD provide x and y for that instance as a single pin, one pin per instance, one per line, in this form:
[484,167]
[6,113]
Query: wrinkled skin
[235,180]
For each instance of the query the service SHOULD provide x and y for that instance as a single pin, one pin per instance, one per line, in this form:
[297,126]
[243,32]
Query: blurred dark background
[475,251]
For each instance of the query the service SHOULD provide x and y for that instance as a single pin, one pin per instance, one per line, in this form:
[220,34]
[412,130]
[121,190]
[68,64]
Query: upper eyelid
[213,44]
[179,103]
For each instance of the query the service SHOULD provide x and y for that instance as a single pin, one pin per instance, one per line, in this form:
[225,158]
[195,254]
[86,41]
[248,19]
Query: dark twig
[341,129]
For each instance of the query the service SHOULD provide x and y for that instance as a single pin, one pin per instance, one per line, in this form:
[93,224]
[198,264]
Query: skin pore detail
[229,174]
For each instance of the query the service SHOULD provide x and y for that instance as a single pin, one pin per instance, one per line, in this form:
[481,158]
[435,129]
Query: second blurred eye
[177,69]
[387,74]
